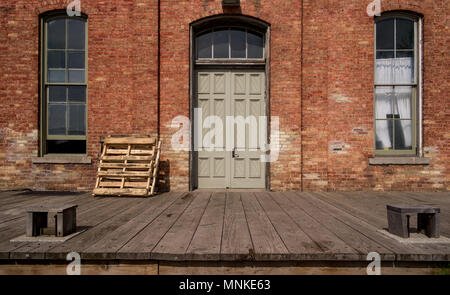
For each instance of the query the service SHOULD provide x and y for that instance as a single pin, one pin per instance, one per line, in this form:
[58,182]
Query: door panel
[222,94]
[212,161]
[248,101]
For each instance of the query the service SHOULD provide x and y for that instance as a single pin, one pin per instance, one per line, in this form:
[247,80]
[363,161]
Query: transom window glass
[396,84]
[64,72]
[226,43]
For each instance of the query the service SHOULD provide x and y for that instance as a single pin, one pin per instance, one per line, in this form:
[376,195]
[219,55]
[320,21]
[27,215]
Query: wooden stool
[65,222]
[428,219]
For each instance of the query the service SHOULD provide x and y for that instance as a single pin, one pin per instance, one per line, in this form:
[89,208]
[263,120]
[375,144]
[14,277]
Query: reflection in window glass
[76,31]
[204,45]
[56,34]
[57,93]
[77,93]
[76,60]
[385,34]
[56,59]
[56,76]
[255,45]
[221,44]
[405,34]
[77,119]
[238,43]
[57,119]
[76,76]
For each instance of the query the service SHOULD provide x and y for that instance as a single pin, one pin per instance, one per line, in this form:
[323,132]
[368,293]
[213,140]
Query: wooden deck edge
[25,257]
[221,268]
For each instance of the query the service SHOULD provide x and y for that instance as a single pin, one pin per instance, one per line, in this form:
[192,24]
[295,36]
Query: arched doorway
[229,102]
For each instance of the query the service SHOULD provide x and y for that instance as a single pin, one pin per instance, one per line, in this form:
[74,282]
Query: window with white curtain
[396,83]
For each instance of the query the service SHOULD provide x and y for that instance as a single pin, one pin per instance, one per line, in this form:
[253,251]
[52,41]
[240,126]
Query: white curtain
[391,71]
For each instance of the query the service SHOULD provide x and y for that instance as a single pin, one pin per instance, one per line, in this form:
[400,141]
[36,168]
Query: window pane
[255,45]
[403,102]
[385,54]
[384,67]
[76,38]
[204,45]
[404,67]
[221,44]
[238,44]
[57,93]
[66,146]
[56,34]
[77,120]
[76,60]
[76,76]
[57,119]
[383,102]
[56,59]
[385,34]
[403,134]
[77,94]
[405,34]
[383,135]
[56,76]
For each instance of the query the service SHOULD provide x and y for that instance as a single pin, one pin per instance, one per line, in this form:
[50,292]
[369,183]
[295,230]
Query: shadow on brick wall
[164,177]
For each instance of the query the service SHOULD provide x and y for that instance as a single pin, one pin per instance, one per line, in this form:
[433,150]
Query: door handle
[233,153]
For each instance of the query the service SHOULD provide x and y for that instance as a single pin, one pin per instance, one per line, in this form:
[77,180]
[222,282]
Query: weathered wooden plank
[107,224]
[36,199]
[120,192]
[84,203]
[442,198]
[17,227]
[87,219]
[143,243]
[329,243]
[11,197]
[175,242]
[124,174]
[115,151]
[372,211]
[299,245]
[236,240]
[205,244]
[111,242]
[126,184]
[130,140]
[371,206]
[268,244]
[402,251]
[17,211]
[125,165]
[345,232]
[127,158]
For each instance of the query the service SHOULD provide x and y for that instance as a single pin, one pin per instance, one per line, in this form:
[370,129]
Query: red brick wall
[285,46]
[337,101]
[122,86]
[321,88]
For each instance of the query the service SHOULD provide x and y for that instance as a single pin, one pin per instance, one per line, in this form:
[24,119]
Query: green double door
[239,95]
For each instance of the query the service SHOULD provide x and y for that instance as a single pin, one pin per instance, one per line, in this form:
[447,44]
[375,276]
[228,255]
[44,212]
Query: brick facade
[321,87]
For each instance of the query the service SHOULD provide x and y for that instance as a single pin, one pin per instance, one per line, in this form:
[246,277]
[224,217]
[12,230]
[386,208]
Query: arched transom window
[229,43]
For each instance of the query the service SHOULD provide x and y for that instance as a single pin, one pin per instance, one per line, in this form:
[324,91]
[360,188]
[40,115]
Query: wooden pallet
[128,167]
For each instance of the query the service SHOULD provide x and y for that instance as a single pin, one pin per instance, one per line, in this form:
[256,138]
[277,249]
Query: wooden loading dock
[225,232]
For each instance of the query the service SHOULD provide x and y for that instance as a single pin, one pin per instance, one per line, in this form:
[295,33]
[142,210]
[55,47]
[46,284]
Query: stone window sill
[62,159]
[399,161]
